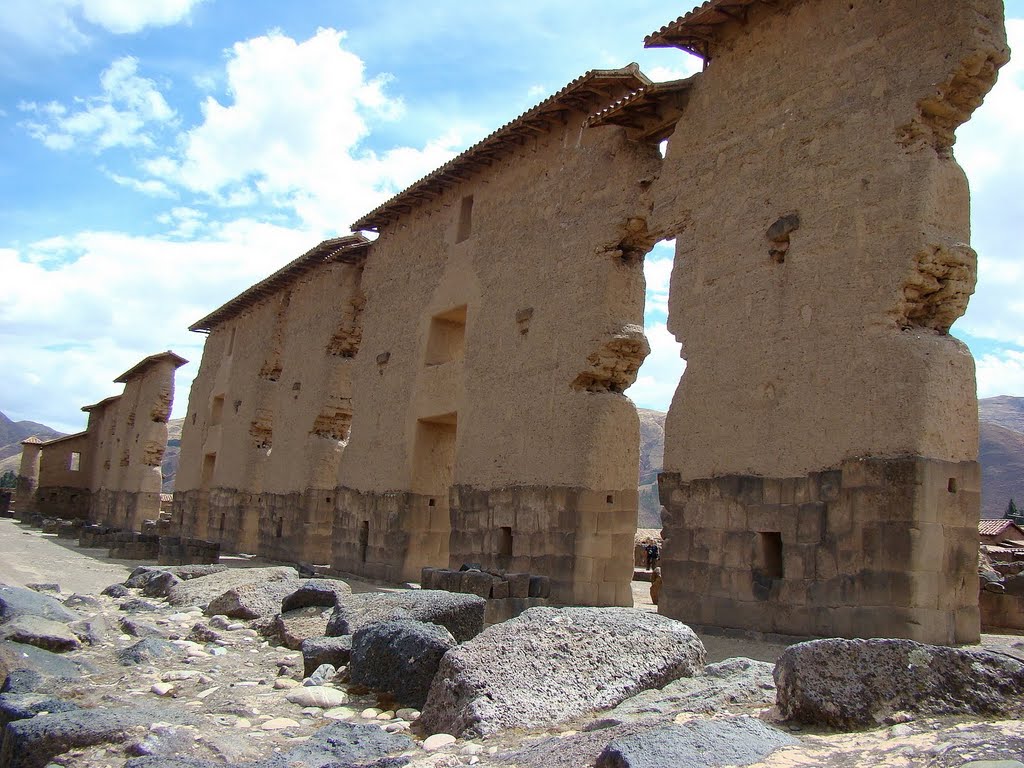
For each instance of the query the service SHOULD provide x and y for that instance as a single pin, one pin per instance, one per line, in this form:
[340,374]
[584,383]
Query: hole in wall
[505,541]
[610,498]
[446,340]
[280,528]
[432,503]
[771,553]
[364,539]
[465,223]
[951,486]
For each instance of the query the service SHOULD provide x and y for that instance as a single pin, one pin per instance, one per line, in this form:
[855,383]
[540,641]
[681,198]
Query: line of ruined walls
[822,229]
[519,452]
[63,486]
[129,438]
[268,417]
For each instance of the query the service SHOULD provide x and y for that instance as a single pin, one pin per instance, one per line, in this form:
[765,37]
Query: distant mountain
[169,466]
[652,459]
[1001,453]
[11,435]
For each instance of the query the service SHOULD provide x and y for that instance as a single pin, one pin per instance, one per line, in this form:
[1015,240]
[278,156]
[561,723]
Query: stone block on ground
[295,627]
[250,601]
[697,743]
[549,665]
[30,669]
[856,683]
[325,593]
[399,658]
[34,742]
[146,650]
[42,633]
[316,651]
[202,589]
[21,706]
[462,615]
[17,601]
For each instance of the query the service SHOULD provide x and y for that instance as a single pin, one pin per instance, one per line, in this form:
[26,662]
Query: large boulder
[25,668]
[43,633]
[21,706]
[856,683]
[250,601]
[728,686]
[549,665]
[202,589]
[462,615]
[399,658]
[16,602]
[33,742]
[696,744]
[322,593]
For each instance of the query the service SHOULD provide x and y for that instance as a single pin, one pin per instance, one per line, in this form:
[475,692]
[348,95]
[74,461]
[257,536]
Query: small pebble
[162,689]
[472,749]
[339,713]
[235,627]
[407,713]
[175,675]
[283,683]
[243,723]
[370,713]
[279,723]
[388,715]
[207,692]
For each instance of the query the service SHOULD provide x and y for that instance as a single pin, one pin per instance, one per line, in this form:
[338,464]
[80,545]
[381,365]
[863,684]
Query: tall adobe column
[821,472]
[28,476]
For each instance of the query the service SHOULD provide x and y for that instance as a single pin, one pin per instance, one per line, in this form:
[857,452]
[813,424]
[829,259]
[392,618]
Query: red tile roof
[997,527]
[696,31]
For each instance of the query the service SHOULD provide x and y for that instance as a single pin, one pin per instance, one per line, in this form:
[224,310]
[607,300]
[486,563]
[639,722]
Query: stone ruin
[452,391]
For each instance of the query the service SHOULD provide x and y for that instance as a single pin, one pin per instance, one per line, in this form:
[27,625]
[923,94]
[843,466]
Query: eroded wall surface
[489,424]
[268,419]
[820,451]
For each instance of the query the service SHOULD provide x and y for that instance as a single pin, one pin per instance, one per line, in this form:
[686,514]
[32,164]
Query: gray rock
[321,675]
[399,658]
[549,665]
[21,706]
[76,600]
[696,744]
[324,593]
[34,742]
[45,587]
[462,615]
[16,602]
[295,627]
[92,631]
[146,650]
[250,601]
[344,745]
[135,605]
[115,590]
[142,575]
[857,683]
[729,685]
[16,657]
[42,633]
[325,650]
[202,589]
[137,628]
[160,585]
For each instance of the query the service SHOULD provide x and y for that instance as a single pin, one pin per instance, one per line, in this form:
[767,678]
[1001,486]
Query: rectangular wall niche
[209,464]
[216,410]
[75,461]
[771,554]
[465,225]
[447,336]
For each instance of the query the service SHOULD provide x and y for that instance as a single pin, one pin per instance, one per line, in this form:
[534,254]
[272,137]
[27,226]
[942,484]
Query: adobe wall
[268,417]
[826,421]
[63,491]
[28,477]
[487,393]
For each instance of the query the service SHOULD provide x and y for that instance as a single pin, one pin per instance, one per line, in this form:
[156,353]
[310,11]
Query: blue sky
[158,157]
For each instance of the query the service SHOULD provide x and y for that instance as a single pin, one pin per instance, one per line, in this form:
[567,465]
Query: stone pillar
[28,477]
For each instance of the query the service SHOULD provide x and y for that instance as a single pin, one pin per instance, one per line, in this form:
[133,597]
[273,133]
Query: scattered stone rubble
[147,681]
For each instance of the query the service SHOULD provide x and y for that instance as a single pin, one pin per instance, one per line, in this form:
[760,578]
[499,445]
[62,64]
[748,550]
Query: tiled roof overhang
[649,113]
[75,436]
[699,29]
[143,364]
[101,404]
[583,94]
[350,249]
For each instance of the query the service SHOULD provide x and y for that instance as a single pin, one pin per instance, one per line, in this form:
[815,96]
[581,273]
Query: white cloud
[293,135]
[991,149]
[121,116]
[61,26]
[660,74]
[92,304]
[129,16]
[658,273]
[1001,374]
[150,187]
[659,375]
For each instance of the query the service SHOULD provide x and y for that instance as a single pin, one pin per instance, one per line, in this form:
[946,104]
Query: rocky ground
[156,674]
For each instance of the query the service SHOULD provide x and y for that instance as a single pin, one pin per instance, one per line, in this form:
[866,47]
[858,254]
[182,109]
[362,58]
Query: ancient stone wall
[489,423]
[63,485]
[269,414]
[822,228]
